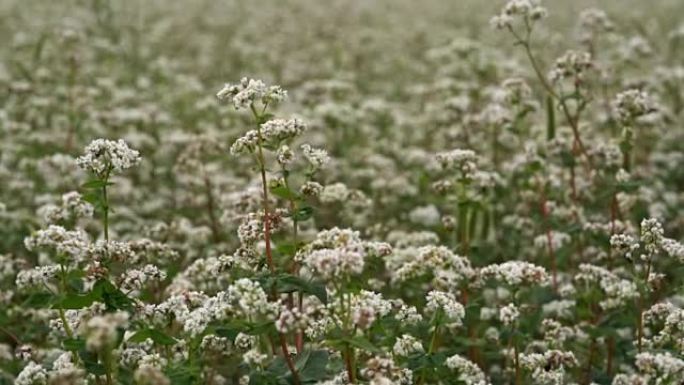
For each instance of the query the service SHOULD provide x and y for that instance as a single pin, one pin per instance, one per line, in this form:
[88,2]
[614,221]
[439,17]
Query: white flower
[509,314]
[572,65]
[651,234]
[516,273]
[73,243]
[528,10]
[464,161]
[32,374]
[317,158]
[407,345]
[249,91]
[101,155]
[446,302]
[468,372]
[101,331]
[632,104]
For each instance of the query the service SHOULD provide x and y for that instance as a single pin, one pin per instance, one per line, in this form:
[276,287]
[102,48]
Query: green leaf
[75,301]
[161,338]
[287,249]
[91,363]
[182,374]
[288,283]
[303,213]
[283,192]
[95,184]
[362,342]
[92,198]
[113,298]
[264,118]
[155,335]
[550,119]
[39,300]
[311,366]
[140,336]
[73,344]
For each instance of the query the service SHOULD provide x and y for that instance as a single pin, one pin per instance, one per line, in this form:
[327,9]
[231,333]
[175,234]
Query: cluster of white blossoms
[101,332]
[338,253]
[516,273]
[617,291]
[103,155]
[384,371]
[527,10]
[593,21]
[72,243]
[272,132]
[250,91]
[244,298]
[670,320]
[37,276]
[624,244]
[367,307]
[509,314]
[548,367]
[572,65]
[665,366]
[406,345]
[316,157]
[630,105]
[446,303]
[468,372]
[136,279]
[463,161]
[72,206]
[651,240]
[32,374]
[449,270]
[291,319]
[652,235]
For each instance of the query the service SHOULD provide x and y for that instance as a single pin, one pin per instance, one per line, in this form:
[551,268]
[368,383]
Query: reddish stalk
[349,365]
[267,240]
[288,360]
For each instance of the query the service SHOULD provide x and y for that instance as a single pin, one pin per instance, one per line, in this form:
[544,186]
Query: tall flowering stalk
[103,157]
[256,96]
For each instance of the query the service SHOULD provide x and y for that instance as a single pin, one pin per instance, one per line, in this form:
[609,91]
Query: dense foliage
[471,194]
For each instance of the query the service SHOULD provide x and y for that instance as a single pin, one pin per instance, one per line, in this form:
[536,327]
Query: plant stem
[107,361]
[572,121]
[431,348]
[288,359]
[105,208]
[267,237]
[264,185]
[349,363]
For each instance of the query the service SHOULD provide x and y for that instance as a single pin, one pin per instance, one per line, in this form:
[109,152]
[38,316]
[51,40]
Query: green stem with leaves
[267,232]
[573,121]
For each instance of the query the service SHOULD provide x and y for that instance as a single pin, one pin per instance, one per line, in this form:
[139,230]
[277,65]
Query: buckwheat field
[309,192]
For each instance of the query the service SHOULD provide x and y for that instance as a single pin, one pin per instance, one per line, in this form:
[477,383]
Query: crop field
[336,192]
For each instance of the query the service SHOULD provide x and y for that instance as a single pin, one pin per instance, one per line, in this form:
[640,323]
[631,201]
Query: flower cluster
[250,91]
[103,156]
